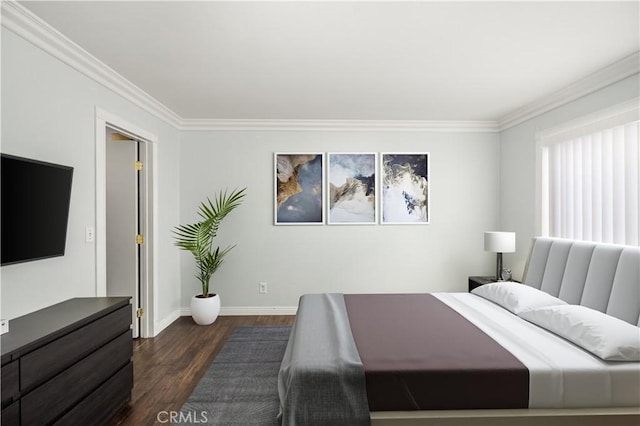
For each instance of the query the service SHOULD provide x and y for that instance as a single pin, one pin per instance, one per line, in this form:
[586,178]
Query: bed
[563,347]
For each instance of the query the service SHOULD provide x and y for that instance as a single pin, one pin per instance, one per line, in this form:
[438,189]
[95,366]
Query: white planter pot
[205,310]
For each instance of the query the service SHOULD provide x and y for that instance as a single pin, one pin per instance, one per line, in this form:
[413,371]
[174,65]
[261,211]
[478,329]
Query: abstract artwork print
[352,188]
[405,188]
[298,187]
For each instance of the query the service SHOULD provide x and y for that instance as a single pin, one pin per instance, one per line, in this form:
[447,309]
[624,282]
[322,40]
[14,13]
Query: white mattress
[561,374]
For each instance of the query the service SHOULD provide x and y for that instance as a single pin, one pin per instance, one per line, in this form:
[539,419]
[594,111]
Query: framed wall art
[298,188]
[351,188]
[405,188]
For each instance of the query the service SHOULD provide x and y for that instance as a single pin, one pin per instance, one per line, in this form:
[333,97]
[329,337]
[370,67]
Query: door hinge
[139,313]
[139,239]
[138,165]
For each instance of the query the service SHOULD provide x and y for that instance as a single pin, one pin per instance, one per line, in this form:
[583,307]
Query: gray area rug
[241,386]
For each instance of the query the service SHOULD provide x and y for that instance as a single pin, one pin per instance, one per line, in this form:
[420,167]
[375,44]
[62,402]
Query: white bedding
[562,375]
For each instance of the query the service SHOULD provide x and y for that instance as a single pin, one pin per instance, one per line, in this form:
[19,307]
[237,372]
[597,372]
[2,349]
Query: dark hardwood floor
[168,366]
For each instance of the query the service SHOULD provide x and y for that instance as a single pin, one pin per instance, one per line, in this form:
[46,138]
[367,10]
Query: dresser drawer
[11,415]
[106,399]
[42,364]
[10,379]
[53,398]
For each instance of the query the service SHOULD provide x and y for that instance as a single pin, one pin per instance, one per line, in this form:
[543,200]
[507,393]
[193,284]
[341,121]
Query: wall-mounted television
[34,209]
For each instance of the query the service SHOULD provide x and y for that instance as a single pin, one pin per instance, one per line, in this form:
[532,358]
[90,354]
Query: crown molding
[613,73]
[339,125]
[19,20]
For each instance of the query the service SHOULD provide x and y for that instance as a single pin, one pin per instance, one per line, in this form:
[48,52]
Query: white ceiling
[358,60]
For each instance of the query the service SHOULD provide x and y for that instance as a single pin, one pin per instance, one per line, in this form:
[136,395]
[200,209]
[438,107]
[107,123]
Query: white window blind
[590,178]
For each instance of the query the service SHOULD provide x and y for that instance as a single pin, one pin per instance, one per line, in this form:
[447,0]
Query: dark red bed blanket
[419,354]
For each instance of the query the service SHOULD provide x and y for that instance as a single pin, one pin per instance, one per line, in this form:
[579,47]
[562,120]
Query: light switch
[89,234]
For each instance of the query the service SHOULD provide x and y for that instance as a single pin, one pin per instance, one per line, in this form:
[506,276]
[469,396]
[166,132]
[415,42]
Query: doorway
[125,217]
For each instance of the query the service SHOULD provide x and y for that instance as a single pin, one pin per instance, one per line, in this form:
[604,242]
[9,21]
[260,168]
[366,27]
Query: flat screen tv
[34,209]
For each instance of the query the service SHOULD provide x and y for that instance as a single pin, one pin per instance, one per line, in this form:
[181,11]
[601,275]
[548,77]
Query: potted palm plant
[198,239]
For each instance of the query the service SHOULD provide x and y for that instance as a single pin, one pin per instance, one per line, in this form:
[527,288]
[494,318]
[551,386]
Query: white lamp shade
[500,242]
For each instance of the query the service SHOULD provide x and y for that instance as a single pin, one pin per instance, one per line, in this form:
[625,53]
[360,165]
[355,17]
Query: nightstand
[478,281]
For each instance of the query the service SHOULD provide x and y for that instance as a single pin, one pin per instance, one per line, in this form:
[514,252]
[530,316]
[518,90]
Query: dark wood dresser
[68,364]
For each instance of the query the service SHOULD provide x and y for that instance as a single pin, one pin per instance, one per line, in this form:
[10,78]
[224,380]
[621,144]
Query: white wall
[479,182]
[48,113]
[352,259]
[518,154]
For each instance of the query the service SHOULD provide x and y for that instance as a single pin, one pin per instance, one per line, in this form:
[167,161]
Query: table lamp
[499,242]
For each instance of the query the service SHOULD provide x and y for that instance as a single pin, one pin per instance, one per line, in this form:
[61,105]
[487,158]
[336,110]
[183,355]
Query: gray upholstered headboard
[604,277]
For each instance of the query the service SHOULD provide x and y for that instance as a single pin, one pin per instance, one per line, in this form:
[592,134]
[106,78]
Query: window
[589,178]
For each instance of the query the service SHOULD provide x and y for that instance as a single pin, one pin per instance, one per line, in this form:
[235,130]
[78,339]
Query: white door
[123,221]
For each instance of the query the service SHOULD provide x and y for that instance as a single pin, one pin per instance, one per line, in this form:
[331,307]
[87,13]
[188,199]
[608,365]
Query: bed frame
[604,277]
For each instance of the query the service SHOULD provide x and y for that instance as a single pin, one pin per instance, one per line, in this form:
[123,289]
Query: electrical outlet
[262,288]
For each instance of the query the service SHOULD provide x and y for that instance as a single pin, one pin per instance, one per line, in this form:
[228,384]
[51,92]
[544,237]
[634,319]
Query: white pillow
[516,297]
[603,335]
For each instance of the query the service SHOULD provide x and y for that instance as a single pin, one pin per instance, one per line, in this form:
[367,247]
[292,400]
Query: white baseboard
[258,310]
[160,325]
[250,310]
